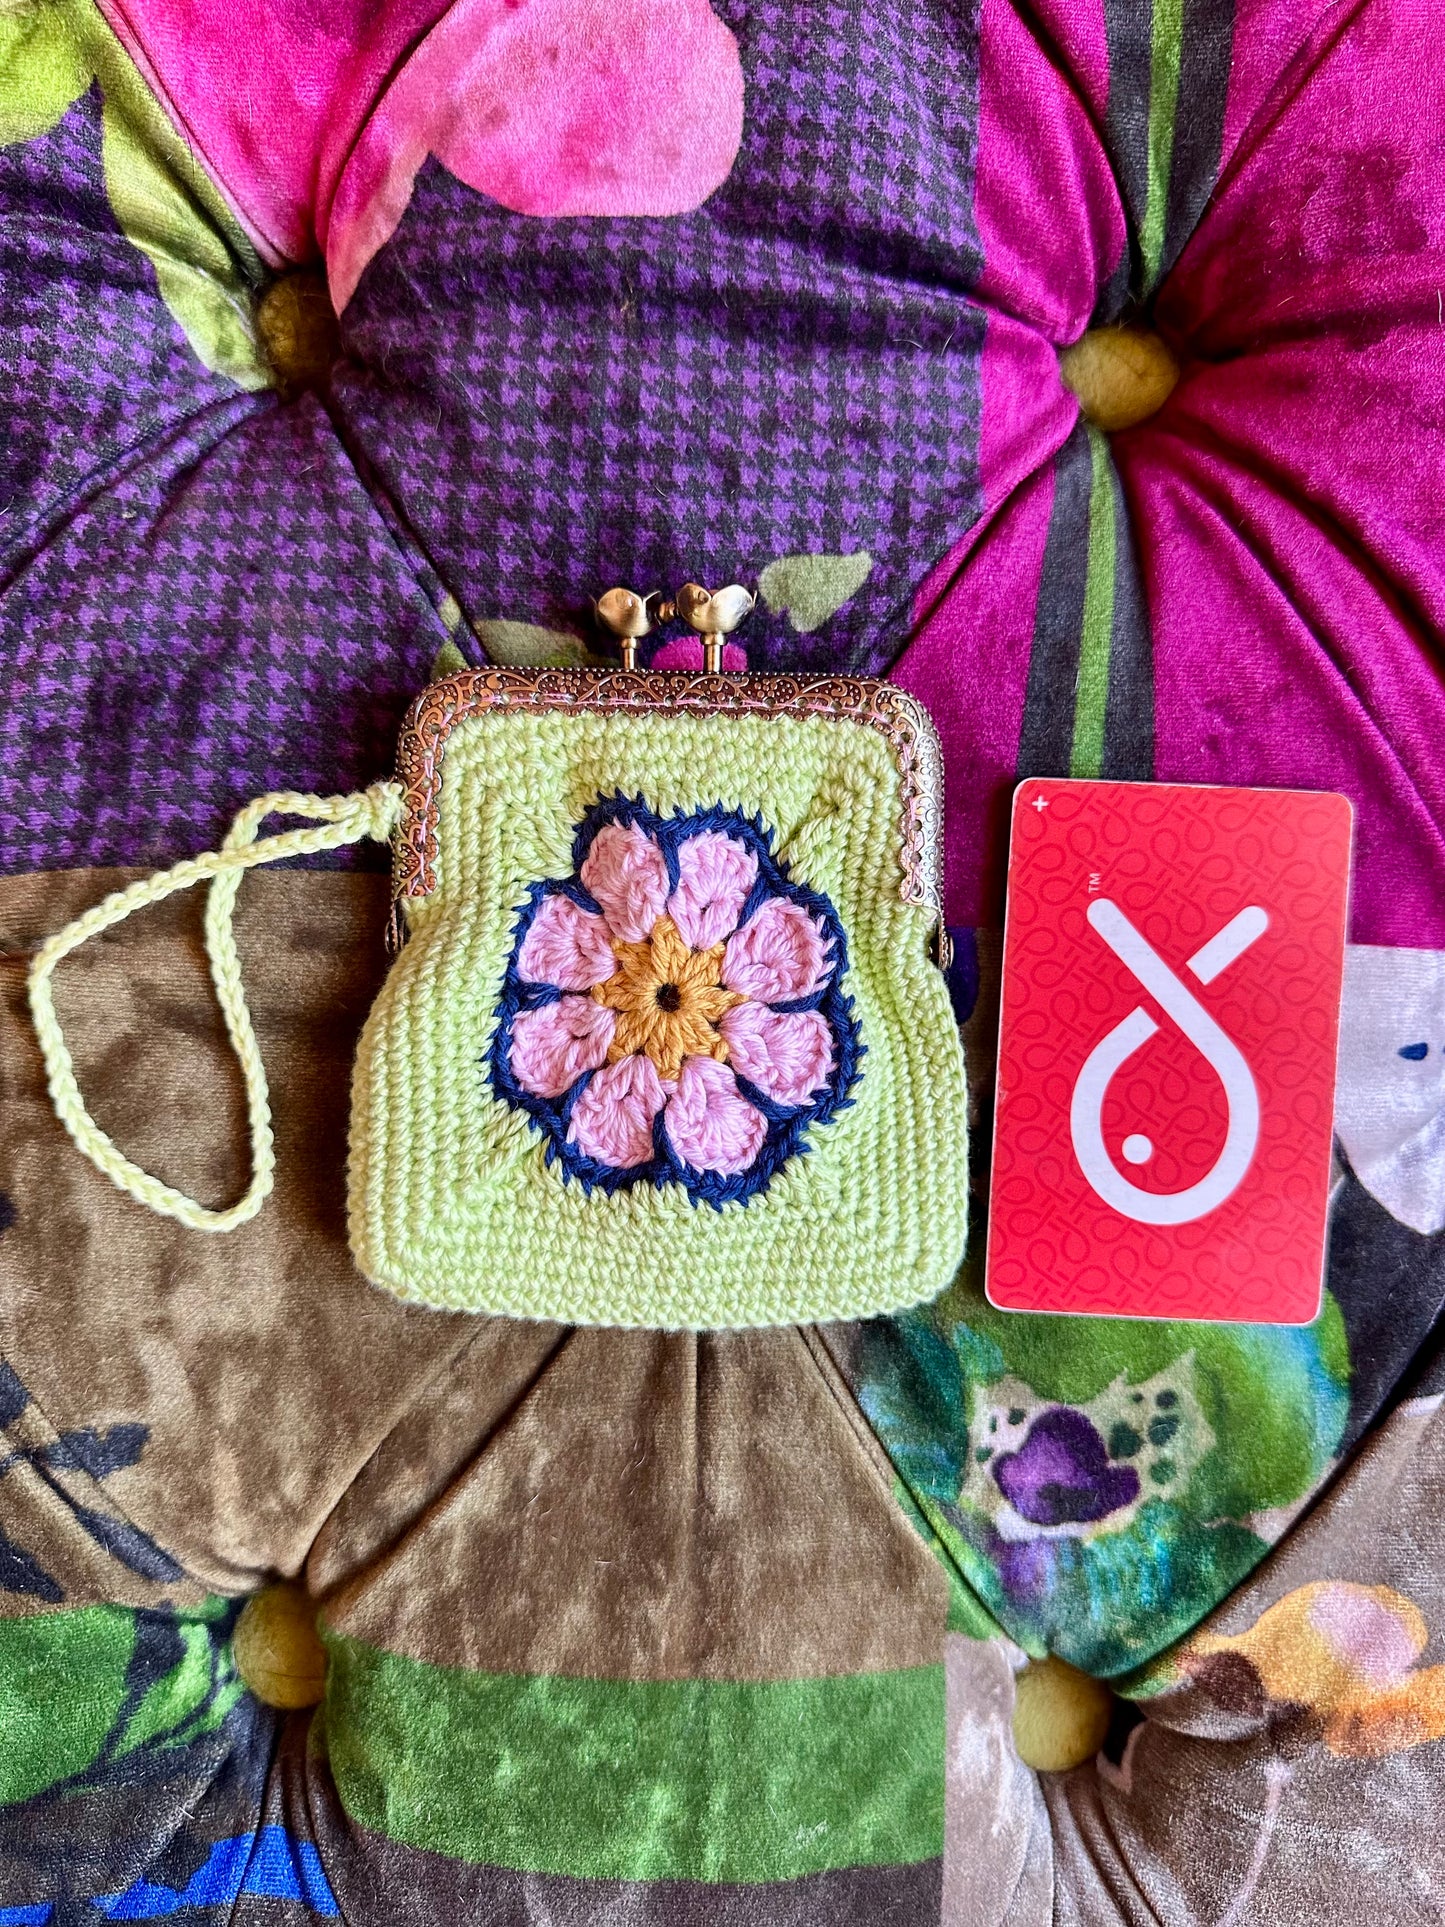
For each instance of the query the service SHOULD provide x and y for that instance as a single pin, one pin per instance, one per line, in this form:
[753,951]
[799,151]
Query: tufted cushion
[1078,363]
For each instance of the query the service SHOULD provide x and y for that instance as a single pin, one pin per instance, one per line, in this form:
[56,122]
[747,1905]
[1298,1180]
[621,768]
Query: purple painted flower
[1062,1474]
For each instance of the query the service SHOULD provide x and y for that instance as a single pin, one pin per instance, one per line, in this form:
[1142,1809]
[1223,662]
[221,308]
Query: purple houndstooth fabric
[92,368]
[230,615]
[566,404]
[206,594]
[199,598]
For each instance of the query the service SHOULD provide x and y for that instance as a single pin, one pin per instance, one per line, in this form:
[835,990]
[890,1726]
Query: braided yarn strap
[335,820]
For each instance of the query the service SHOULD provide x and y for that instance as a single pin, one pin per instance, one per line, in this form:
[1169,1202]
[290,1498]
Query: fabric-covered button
[1120,375]
[298,330]
[1060,1716]
[277,1652]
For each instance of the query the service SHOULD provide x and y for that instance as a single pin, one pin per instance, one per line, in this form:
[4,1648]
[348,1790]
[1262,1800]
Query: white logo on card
[1241,1136]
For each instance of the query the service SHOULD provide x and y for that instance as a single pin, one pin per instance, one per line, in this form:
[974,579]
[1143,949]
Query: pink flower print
[1367,1630]
[779,956]
[659,1007]
[715,874]
[317,118]
[553,107]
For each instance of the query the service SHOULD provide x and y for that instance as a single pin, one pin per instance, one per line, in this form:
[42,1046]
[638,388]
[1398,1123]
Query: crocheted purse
[665,1041]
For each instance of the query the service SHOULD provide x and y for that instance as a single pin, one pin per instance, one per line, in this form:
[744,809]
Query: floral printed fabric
[318,118]
[850,345]
[1100,1483]
[1308,1709]
[673,1011]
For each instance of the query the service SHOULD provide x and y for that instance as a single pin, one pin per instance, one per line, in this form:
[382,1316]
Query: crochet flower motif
[672,1012]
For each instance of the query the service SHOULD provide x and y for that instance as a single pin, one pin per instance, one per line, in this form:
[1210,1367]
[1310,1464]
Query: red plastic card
[1171,994]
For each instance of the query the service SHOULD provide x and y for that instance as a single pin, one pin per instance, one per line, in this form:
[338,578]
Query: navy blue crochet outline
[787,1133]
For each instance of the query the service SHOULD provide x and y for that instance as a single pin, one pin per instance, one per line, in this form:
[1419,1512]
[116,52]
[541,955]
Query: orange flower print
[1343,1654]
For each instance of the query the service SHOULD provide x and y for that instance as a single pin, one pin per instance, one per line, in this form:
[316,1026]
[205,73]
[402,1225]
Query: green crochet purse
[665,1041]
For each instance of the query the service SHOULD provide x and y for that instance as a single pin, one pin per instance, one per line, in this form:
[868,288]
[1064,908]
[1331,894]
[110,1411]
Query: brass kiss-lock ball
[624,612]
[713,615]
[629,615]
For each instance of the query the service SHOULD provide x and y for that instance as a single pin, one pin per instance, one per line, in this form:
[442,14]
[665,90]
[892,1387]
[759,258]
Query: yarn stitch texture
[338,820]
[453,1201]
[673,1011]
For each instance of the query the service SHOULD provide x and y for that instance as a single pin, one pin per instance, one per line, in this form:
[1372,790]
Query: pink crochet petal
[710,1123]
[714,875]
[567,946]
[612,1119]
[789,1056]
[552,1047]
[625,872]
[779,954]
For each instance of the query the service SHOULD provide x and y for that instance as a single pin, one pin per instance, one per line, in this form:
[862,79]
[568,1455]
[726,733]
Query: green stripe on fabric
[1166,46]
[1091,699]
[627,1780]
[62,1684]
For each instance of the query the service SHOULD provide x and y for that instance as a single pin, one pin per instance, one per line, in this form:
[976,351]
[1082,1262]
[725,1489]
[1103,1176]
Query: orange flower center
[668,998]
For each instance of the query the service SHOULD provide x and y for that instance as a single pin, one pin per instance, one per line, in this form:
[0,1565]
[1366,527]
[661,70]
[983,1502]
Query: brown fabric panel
[663,1506]
[266,1368]
[399,1883]
[111,1831]
[994,1827]
[444,1430]
[379,1883]
[1236,1802]
[830,1346]
[1032,1902]
[1218,1827]
[63,1538]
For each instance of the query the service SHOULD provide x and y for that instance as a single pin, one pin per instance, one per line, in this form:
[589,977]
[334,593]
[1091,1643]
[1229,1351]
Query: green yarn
[452,1201]
[464,1194]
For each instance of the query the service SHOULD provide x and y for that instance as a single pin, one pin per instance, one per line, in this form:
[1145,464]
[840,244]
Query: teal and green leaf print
[85,1692]
[1101,1483]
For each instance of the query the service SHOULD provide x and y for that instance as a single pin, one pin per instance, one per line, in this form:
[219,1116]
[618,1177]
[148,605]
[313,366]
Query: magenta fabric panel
[1269,35]
[966,662]
[1038,165]
[1078,30]
[1297,558]
[1288,569]
[1048,212]
[272,96]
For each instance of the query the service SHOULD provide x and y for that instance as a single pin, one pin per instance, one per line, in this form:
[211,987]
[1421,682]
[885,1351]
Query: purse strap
[335,820]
